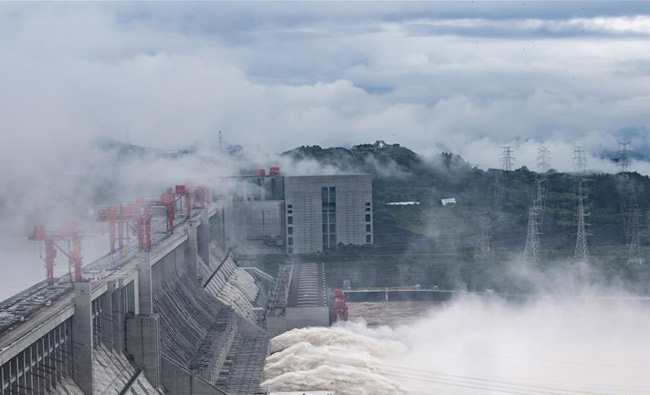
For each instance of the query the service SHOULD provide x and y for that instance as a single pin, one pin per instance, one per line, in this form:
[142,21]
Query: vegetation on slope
[436,242]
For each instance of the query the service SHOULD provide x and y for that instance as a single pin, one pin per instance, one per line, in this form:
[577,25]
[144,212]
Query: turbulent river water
[472,346]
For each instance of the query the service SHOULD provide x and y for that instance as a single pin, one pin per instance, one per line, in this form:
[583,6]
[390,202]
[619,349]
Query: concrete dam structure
[178,318]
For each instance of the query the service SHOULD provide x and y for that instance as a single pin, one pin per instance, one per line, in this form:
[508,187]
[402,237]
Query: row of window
[368,226]
[329,217]
[328,220]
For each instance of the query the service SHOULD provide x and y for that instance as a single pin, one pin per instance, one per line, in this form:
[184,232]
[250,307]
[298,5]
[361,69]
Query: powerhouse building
[299,214]
[323,211]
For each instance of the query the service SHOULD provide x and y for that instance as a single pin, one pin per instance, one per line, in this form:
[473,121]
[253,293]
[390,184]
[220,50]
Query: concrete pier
[82,338]
[106,318]
[204,237]
[143,344]
[143,330]
[145,289]
[118,313]
[193,249]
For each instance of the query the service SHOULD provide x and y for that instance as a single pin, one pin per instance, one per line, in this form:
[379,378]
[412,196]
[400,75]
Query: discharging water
[471,346]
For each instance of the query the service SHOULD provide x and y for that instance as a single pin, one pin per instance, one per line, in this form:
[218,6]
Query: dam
[176,318]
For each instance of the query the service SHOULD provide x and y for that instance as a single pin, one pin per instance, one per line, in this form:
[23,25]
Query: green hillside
[441,239]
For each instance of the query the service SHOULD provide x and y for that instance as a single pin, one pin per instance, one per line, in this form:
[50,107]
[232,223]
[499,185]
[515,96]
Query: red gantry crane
[340,308]
[136,217]
[69,232]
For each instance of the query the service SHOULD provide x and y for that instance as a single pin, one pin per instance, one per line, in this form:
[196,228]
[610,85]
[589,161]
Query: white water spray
[578,345]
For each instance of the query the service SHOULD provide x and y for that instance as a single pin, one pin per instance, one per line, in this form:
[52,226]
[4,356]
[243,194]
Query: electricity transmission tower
[634,238]
[543,159]
[531,251]
[536,210]
[483,239]
[507,158]
[630,211]
[491,209]
[581,253]
[623,157]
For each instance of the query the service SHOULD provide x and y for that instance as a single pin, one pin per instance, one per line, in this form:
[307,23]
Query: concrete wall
[177,380]
[171,266]
[257,226]
[298,317]
[301,317]
[304,211]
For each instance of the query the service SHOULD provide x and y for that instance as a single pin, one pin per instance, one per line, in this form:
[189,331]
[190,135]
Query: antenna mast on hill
[220,143]
[581,253]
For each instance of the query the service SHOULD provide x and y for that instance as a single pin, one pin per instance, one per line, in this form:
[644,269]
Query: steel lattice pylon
[531,251]
[483,240]
[634,237]
[581,253]
[536,210]
[507,158]
[630,211]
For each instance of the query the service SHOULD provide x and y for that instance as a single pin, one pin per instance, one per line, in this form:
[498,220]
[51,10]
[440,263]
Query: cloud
[165,75]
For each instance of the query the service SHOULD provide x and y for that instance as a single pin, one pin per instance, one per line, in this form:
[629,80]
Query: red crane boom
[68,232]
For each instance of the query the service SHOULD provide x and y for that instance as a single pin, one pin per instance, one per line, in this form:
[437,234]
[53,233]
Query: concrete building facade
[322,211]
[258,226]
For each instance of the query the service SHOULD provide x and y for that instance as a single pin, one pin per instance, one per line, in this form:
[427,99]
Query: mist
[595,343]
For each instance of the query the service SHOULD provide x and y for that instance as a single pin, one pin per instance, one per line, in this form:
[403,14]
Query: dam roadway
[48,317]
[144,323]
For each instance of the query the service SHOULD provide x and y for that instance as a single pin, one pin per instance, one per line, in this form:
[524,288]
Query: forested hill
[400,174]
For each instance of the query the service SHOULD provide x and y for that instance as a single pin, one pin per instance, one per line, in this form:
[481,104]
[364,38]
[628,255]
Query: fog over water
[585,344]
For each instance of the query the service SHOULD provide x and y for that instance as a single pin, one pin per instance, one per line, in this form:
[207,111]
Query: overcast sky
[465,77]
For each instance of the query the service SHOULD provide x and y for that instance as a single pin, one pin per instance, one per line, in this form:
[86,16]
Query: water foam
[329,359]
[475,346]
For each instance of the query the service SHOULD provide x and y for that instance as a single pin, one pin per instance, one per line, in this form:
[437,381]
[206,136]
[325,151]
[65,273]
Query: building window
[289,211]
[367,227]
[290,250]
[290,241]
[328,195]
[289,206]
[367,217]
[367,204]
[367,209]
[290,220]
[290,230]
[368,239]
